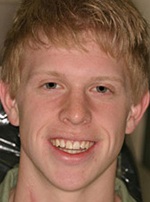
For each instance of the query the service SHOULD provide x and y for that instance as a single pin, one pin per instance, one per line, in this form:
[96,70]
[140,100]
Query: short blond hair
[116,25]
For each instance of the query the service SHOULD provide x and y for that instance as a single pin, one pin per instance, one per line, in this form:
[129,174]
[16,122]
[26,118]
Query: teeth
[69,145]
[82,145]
[72,147]
[57,143]
[62,144]
[76,145]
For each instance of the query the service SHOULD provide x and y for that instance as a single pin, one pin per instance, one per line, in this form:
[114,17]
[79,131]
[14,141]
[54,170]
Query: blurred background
[139,142]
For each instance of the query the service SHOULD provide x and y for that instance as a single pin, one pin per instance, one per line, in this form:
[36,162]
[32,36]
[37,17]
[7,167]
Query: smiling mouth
[72,147]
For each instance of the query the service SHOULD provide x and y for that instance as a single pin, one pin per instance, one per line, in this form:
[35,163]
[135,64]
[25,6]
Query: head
[78,63]
[116,26]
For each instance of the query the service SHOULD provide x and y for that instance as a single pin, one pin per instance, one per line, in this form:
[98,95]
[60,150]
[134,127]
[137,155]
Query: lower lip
[72,159]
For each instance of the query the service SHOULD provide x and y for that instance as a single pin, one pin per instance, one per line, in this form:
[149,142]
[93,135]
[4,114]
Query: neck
[70,197]
[32,189]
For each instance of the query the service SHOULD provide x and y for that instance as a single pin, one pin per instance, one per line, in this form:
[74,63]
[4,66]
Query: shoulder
[122,191]
[9,182]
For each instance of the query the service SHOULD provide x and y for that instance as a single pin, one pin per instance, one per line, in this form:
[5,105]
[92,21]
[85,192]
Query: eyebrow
[59,75]
[109,78]
[38,73]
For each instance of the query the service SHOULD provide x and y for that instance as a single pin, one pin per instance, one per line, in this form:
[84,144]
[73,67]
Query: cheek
[112,119]
[31,110]
[30,120]
[113,116]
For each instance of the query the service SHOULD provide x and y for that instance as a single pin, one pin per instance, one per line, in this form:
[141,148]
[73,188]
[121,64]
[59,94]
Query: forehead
[89,49]
[75,62]
[85,41]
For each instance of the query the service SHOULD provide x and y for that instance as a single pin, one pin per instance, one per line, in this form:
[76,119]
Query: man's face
[73,109]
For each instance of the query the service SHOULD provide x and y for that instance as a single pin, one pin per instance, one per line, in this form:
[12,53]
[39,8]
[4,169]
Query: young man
[74,79]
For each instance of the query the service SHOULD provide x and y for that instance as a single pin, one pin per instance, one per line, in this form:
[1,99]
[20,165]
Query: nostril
[75,109]
[75,117]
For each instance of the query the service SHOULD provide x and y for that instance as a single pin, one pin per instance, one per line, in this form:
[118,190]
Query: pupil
[51,85]
[101,89]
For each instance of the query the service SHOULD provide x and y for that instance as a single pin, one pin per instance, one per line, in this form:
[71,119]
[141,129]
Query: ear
[9,104]
[136,113]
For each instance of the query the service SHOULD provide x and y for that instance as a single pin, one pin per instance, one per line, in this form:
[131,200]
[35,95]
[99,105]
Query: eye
[51,85]
[102,89]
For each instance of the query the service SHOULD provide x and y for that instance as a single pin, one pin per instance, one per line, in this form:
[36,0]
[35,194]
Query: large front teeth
[72,146]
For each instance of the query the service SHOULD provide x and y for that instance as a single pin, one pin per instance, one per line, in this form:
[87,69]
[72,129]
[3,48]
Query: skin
[71,95]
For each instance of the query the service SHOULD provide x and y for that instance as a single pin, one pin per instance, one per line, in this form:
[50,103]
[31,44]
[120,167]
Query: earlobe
[9,104]
[137,112]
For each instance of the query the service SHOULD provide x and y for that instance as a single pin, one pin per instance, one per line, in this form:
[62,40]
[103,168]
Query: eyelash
[101,89]
[51,85]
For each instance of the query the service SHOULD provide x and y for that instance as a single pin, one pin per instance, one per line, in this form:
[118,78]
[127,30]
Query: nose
[75,110]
